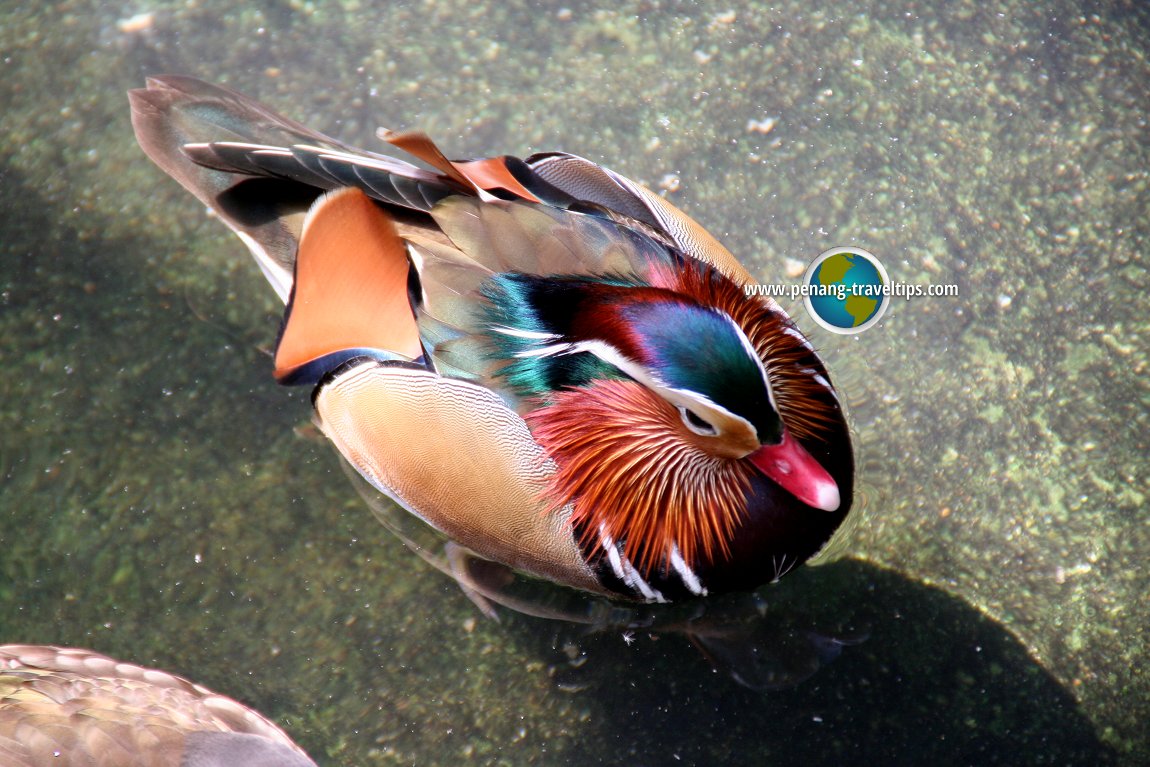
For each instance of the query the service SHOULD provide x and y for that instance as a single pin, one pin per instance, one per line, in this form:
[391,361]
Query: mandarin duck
[542,359]
[76,708]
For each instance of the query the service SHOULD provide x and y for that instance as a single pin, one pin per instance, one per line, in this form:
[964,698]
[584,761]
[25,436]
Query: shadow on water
[932,682]
[109,391]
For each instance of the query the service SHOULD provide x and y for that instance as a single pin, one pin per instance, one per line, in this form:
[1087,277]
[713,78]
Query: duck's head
[660,411]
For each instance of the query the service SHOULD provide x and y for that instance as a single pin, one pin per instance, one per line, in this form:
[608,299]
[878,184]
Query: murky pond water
[161,500]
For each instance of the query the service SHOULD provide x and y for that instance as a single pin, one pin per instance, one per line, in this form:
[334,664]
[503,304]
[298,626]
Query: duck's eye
[697,424]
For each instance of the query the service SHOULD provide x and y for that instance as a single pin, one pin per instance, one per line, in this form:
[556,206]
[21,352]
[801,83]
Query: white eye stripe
[680,398]
[695,423]
[647,377]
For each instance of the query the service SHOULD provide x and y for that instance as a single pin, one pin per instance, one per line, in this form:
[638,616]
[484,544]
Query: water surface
[164,502]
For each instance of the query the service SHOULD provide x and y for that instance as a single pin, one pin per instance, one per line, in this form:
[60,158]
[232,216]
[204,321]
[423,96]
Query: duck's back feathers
[586,181]
[77,708]
[261,172]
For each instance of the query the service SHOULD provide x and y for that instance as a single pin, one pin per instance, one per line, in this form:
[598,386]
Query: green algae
[164,502]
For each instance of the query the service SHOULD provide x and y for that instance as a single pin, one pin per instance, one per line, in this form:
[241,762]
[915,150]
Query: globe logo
[846,290]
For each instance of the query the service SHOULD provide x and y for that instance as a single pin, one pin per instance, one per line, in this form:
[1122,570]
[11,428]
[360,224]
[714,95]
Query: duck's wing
[589,182]
[261,172]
